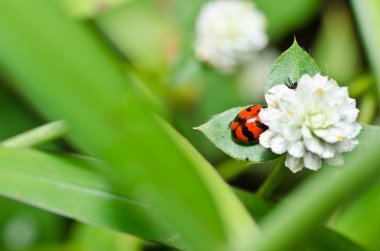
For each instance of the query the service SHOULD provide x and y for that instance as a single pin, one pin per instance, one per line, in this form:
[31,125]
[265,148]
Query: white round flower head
[229,33]
[314,122]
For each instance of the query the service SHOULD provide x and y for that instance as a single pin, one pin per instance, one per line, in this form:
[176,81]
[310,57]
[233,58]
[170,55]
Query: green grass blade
[284,17]
[36,136]
[322,239]
[89,197]
[91,238]
[359,217]
[367,14]
[88,8]
[81,80]
[71,187]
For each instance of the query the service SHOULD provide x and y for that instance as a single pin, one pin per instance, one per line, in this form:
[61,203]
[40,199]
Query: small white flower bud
[229,33]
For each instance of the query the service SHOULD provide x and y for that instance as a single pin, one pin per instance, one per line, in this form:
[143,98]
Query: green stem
[36,136]
[230,169]
[273,180]
[361,85]
[367,107]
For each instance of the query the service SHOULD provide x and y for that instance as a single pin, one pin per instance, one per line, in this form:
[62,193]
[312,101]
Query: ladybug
[247,126]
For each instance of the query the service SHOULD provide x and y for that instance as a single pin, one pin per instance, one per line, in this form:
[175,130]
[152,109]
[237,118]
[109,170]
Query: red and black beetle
[247,126]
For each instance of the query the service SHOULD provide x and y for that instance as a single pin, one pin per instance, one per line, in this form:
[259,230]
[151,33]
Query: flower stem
[367,107]
[36,136]
[231,169]
[273,180]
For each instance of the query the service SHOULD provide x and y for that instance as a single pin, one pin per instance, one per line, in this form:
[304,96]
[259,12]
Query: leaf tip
[295,40]
[197,128]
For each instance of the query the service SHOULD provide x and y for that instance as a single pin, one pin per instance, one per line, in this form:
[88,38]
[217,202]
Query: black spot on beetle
[247,133]
[261,125]
[246,159]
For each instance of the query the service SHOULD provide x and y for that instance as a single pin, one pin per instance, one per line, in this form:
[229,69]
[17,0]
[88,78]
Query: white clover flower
[229,33]
[314,122]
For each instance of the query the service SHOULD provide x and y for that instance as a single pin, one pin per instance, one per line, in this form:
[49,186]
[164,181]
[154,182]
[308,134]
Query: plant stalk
[36,136]
[274,179]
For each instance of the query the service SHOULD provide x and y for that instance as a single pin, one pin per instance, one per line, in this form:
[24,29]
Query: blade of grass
[367,14]
[88,8]
[322,239]
[72,187]
[80,80]
[98,239]
[89,197]
[36,136]
[359,218]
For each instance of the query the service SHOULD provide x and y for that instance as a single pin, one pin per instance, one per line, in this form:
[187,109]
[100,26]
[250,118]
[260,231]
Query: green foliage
[284,17]
[335,38]
[105,79]
[88,8]
[37,136]
[114,123]
[290,66]
[36,225]
[361,227]
[368,18]
[90,238]
[303,209]
[218,131]
[71,187]
[322,238]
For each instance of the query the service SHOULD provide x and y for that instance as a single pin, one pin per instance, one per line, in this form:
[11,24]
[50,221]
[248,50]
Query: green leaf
[91,238]
[36,136]
[88,8]
[147,50]
[290,66]
[218,131]
[311,202]
[72,187]
[76,187]
[110,119]
[55,247]
[337,49]
[38,226]
[359,217]
[322,238]
[286,16]
[367,13]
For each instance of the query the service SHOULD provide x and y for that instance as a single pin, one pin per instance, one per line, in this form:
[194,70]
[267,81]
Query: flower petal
[314,145]
[294,164]
[328,151]
[274,94]
[312,161]
[266,138]
[346,145]
[297,150]
[337,160]
[330,135]
[278,144]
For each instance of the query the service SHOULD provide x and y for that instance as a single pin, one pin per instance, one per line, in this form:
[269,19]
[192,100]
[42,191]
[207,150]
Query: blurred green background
[150,46]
